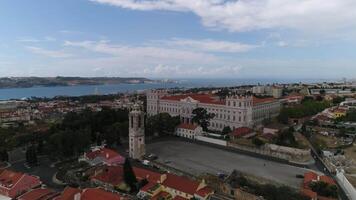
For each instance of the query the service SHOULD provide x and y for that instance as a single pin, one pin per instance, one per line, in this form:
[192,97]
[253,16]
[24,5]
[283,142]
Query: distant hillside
[26,82]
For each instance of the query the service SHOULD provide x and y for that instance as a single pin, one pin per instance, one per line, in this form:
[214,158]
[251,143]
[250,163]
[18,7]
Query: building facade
[233,111]
[136,132]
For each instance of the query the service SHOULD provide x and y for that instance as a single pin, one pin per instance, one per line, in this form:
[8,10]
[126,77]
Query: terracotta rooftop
[262,100]
[38,194]
[187,126]
[113,175]
[151,176]
[104,152]
[202,98]
[98,194]
[181,184]
[9,178]
[242,131]
[68,194]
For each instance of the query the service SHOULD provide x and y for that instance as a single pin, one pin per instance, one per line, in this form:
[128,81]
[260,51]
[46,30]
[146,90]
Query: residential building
[157,184]
[14,184]
[311,177]
[88,194]
[187,130]
[277,92]
[100,155]
[233,111]
[242,132]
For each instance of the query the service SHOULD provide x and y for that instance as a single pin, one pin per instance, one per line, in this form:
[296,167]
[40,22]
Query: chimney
[77,196]
[163,178]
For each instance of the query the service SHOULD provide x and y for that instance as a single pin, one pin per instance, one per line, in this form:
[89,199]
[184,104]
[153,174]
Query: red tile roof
[187,126]
[262,100]
[68,194]
[104,152]
[202,98]
[179,198]
[148,186]
[161,195]
[181,184]
[204,191]
[309,177]
[113,175]
[98,194]
[38,194]
[327,180]
[239,132]
[309,193]
[151,176]
[9,178]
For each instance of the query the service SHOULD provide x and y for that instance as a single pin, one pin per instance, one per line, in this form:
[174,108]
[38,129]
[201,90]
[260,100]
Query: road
[197,159]
[43,170]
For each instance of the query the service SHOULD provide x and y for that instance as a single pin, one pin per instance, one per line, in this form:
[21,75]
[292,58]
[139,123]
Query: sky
[179,38]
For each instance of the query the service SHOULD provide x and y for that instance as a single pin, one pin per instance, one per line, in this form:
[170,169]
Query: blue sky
[179,38]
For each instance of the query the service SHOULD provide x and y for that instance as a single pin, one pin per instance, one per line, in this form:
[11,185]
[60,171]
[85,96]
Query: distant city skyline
[179,38]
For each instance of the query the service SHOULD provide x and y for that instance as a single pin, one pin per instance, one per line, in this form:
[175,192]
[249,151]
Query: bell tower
[136,132]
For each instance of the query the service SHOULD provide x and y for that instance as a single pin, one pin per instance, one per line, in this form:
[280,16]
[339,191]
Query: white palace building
[234,111]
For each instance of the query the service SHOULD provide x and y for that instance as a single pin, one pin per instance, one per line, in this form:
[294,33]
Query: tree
[258,142]
[202,117]
[226,130]
[286,138]
[161,124]
[31,155]
[322,92]
[324,189]
[129,175]
[4,156]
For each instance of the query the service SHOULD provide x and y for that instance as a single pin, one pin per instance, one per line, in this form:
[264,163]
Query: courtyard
[198,159]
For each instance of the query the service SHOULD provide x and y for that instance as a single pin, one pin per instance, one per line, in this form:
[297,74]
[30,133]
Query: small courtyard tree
[202,117]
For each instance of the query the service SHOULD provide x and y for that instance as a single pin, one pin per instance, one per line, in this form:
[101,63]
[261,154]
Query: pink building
[13,184]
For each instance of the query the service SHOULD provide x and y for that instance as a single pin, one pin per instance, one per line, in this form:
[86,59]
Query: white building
[234,111]
[136,133]
[190,131]
[277,92]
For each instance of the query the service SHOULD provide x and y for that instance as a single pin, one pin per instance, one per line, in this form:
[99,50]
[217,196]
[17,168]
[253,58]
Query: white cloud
[34,40]
[208,45]
[49,53]
[317,16]
[146,53]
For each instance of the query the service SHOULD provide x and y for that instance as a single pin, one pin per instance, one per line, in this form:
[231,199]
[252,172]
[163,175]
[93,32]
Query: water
[19,93]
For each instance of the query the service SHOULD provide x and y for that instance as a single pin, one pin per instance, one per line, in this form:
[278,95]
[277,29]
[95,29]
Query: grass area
[302,141]
[326,142]
[245,142]
[350,154]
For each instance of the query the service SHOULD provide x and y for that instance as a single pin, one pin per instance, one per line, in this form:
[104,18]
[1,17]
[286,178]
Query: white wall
[212,140]
[346,185]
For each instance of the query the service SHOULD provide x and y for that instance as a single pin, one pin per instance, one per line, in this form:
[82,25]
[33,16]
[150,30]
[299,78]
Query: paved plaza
[197,159]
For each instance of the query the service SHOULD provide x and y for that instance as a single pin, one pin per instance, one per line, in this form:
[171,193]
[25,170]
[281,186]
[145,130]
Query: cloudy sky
[179,38]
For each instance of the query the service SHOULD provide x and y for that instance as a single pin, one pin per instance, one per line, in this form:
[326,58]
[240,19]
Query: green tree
[31,155]
[226,130]
[4,156]
[324,189]
[129,175]
[258,142]
[161,124]
[202,117]
[322,92]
